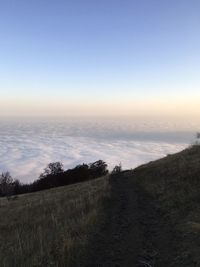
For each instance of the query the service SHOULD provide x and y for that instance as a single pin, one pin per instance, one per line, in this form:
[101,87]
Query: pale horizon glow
[172,106]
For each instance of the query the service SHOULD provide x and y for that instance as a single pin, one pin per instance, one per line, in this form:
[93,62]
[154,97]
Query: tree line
[54,175]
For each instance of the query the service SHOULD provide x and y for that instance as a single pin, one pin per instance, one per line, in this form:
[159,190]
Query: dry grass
[50,228]
[154,208]
[173,184]
[174,179]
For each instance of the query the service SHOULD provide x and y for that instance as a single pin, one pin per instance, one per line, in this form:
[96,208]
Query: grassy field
[50,228]
[149,216]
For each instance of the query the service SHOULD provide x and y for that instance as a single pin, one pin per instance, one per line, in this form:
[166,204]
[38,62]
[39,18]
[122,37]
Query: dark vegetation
[54,175]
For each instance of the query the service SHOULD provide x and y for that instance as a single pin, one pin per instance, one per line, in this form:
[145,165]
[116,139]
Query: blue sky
[85,56]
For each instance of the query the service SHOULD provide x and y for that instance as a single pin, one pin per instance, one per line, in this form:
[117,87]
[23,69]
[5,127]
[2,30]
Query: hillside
[154,217]
[49,228]
[171,186]
[143,217]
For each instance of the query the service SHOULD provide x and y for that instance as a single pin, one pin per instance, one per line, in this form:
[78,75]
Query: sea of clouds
[28,145]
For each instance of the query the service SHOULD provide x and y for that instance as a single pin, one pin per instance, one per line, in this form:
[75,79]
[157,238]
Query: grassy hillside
[50,228]
[169,189]
[153,218]
[144,217]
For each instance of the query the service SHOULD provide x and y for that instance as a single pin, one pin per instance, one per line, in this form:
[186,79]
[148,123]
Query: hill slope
[49,228]
[172,185]
[153,218]
[144,217]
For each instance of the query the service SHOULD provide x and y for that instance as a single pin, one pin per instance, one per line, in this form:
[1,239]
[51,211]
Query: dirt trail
[132,231]
[116,242]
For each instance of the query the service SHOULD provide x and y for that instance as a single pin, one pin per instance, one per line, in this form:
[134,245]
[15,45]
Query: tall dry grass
[50,228]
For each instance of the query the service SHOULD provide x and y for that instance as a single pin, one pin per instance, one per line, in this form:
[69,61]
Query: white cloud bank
[26,148]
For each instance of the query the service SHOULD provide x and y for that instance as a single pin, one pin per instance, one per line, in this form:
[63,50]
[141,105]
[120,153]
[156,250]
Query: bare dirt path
[117,241]
[132,231]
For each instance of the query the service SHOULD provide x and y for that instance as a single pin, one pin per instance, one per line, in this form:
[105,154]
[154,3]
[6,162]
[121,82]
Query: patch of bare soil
[131,230]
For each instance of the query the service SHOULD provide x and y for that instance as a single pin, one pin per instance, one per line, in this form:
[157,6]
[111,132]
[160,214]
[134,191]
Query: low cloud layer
[26,148]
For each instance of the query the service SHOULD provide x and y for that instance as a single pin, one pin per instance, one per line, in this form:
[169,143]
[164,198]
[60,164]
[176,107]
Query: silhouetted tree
[16,187]
[6,184]
[53,168]
[117,169]
[98,168]
[53,176]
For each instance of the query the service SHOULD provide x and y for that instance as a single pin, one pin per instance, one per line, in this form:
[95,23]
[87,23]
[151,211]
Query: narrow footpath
[131,229]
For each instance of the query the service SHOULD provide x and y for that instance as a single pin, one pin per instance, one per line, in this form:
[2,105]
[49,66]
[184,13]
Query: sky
[106,57]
